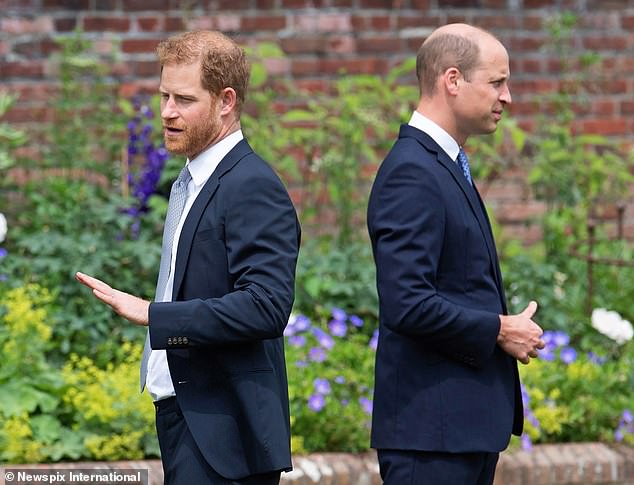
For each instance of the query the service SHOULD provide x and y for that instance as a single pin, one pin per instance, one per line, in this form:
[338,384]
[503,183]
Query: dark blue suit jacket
[233,293]
[441,381]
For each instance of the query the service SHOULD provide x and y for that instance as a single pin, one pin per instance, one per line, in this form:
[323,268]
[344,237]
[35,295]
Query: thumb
[530,310]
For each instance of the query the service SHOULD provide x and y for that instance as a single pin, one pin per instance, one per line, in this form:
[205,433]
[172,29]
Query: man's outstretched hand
[128,306]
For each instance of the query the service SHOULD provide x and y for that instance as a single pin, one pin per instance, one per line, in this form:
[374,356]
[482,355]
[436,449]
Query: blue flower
[340,380]
[317,354]
[546,353]
[568,355]
[627,416]
[338,328]
[3,253]
[301,363]
[527,444]
[339,314]
[297,340]
[356,321]
[366,404]
[301,323]
[596,359]
[374,341]
[325,340]
[560,339]
[316,402]
[322,386]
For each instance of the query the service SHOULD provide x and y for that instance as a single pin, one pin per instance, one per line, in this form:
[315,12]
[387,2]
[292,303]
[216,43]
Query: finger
[107,298]
[541,344]
[524,360]
[530,310]
[532,354]
[93,283]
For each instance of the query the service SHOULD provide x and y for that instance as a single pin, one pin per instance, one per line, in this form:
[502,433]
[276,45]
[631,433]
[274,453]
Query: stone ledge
[563,464]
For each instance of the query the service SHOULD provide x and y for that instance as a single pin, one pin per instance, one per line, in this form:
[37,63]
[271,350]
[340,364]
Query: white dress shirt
[159,381]
[440,136]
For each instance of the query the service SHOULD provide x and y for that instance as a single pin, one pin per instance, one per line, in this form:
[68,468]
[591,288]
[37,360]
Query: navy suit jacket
[441,381]
[233,292]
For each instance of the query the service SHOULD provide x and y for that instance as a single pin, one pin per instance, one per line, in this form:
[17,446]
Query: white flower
[611,325]
[3,227]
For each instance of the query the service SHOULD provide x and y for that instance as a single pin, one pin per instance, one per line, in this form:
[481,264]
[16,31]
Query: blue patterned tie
[463,161]
[178,197]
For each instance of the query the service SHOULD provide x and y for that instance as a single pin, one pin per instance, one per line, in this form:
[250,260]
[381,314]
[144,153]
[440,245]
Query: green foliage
[10,138]
[580,401]
[336,276]
[331,399]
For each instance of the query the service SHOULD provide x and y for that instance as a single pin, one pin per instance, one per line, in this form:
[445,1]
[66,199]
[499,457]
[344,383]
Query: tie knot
[184,176]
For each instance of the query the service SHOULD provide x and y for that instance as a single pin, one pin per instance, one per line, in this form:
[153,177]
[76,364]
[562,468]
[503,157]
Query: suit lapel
[198,207]
[471,194]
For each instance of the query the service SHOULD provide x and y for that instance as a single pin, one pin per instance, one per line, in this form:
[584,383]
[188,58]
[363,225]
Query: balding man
[447,392]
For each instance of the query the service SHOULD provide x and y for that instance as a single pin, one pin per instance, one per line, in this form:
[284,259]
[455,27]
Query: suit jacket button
[169,340]
[180,340]
[185,340]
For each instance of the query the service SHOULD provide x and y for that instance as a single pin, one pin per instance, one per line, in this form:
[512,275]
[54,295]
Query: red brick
[139,45]
[605,126]
[263,22]
[149,24]
[532,22]
[421,4]
[379,44]
[65,24]
[67,4]
[605,43]
[530,44]
[33,91]
[27,69]
[322,23]
[107,24]
[21,26]
[219,5]
[460,3]
[381,4]
[266,4]
[306,44]
[174,24]
[627,22]
[106,5]
[493,22]
[532,66]
[22,114]
[128,5]
[537,3]
[417,21]
[523,108]
[145,68]
[627,107]
[493,3]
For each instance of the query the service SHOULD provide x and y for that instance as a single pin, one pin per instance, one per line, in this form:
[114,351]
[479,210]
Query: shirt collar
[440,136]
[207,161]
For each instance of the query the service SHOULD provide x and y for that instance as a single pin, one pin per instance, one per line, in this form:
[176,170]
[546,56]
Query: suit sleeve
[262,241]
[407,224]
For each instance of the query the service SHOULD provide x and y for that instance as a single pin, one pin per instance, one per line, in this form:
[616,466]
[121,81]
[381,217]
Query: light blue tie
[178,197]
[463,161]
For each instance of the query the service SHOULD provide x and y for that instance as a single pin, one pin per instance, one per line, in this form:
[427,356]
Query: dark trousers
[183,463]
[403,467]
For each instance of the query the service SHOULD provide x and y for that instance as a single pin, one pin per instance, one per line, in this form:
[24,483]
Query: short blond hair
[224,63]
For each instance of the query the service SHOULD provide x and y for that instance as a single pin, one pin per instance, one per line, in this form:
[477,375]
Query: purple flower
[339,314]
[356,321]
[3,253]
[546,353]
[596,359]
[301,363]
[3,277]
[340,380]
[374,341]
[316,402]
[627,416]
[560,339]
[338,328]
[297,340]
[618,435]
[344,402]
[366,404]
[301,323]
[568,355]
[317,354]
[325,340]
[527,444]
[322,386]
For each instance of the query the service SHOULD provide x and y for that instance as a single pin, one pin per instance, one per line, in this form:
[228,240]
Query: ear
[451,79]
[228,99]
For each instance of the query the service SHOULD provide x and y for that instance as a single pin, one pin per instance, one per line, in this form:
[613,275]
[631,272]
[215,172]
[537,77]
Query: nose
[505,95]
[168,108]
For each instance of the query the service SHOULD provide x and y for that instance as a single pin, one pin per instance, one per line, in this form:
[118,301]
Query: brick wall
[321,37]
